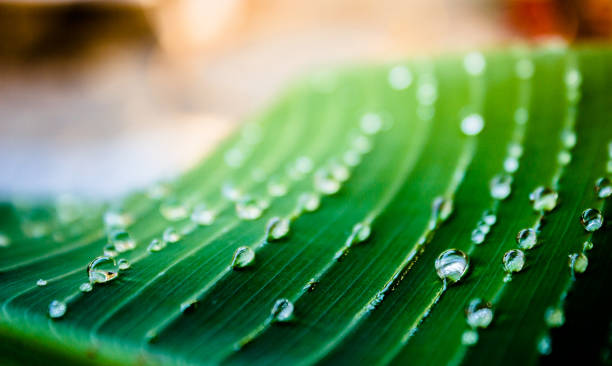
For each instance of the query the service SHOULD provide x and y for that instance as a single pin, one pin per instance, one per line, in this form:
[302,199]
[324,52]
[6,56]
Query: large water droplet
[474,63]
[514,260]
[249,208]
[171,235]
[243,257]
[526,238]
[121,241]
[371,123]
[201,215]
[57,309]
[309,201]
[5,241]
[400,77]
[277,228]
[472,124]
[591,219]
[479,314]
[41,283]
[325,182]
[554,317]
[543,199]
[173,210]
[603,188]
[451,265]
[282,311]
[501,186]
[102,269]
[156,245]
[578,262]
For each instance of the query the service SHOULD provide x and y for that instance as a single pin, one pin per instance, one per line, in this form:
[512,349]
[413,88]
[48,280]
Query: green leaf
[345,192]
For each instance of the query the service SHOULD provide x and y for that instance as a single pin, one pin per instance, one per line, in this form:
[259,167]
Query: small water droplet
[489,217]
[603,187]
[304,164]
[362,144]
[543,199]
[189,306]
[158,190]
[545,345]
[573,78]
[521,115]
[123,264]
[441,208]
[325,182]
[568,137]
[115,218]
[479,313]
[173,210]
[309,201]
[515,150]
[371,123]
[526,238]
[501,186]
[5,241]
[110,251]
[578,262]
[277,188]
[339,171]
[400,77]
[514,260]
[229,191]
[57,309]
[41,283]
[587,245]
[351,158]
[511,164]
[102,269]
[85,287]
[361,232]
[474,63]
[524,69]
[277,228]
[451,265]
[478,235]
[282,311]
[472,124]
[121,241]
[171,235]
[243,257]
[201,215]
[554,317]
[591,219]
[469,337]
[156,245]
[564,157]
[249,208]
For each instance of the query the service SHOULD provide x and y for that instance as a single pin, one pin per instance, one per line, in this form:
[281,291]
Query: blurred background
[101,97]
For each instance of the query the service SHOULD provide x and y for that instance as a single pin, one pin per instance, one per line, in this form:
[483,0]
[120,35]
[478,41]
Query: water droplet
[521,115]
[85,287]
[234,157]
[115,218]
[304,164]
[469,337]
[57,309]
[189,306]
[201,215]
[371,123]
[277,228]
[514,260]
[249,208]
[500,186]
[568,137]
[603,188]
[110,251]
[543,199]
[121,241]
[451,265]
[102,269]
[515,150]
[472,124]
[243,257]
[41,283]
[282,310]
[277,188]
[230,192]
[489,217]
[545,345]
[474,63]
[325,182]
[564,157]
[362,144]
[361,232]
[156,245]
[554,317]
[587,245]
[573,78]
[158,190]
[441,208]
[524,69]
[400,77]
[478,235]
[170,235]
[591,219]
[526,238]
[123,264]
[173,210]
[479,313]
[351,158]
[309,201]
[5,241]
[511,164]
[339,171]
[578,262]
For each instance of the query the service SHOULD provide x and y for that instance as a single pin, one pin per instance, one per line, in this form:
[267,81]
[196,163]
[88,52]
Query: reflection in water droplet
[277,228]
[5,241]
[591,219]
[578,262]
[243,257]
[156,245]
[451,265]
[400,77]
[543,199]
[554,317]
[170,235]
[514,260]
[57,309]
[325,182]
[474,63]
[603,188]
[41,283]
[173,210]
[249,209]
[472,124]
[309,201]
[121,241]
[85,287]
[123,264]
[526,238]
[201,215]
[469,337]
[282,310]
[479,314]
[500,186]
[102,269]
[371,123]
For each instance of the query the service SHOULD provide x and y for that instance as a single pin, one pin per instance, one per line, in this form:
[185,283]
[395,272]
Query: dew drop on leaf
[156,245]
[478,236]
[110,250]
[521,115]
[121,240]
[371,123]
[201,215]
[578,262]
[123,264]
[543,199]
[243,257]
[339,171]
[309,201]
[85,287]
[451,265]
[587,245]
[277,228]
[400,77]
[282,310]
[500,186]
[472,124]
[361,232]
[173,210]
[469,337]
[102,269]
[489,217]
[441,208]
[511,164]
[479,313]
[249,209]
[526,238]
[41,283]
[351,158]
[115,218]
[591,219]
[564,157]
[573,78]
[170,235]
[568,137]
[277,188]
[514,260]
[603,187]
[325,182]
[544,345]
[57,309]
[554,317]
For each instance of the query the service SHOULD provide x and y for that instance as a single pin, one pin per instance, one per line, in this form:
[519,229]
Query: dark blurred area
[100,97]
